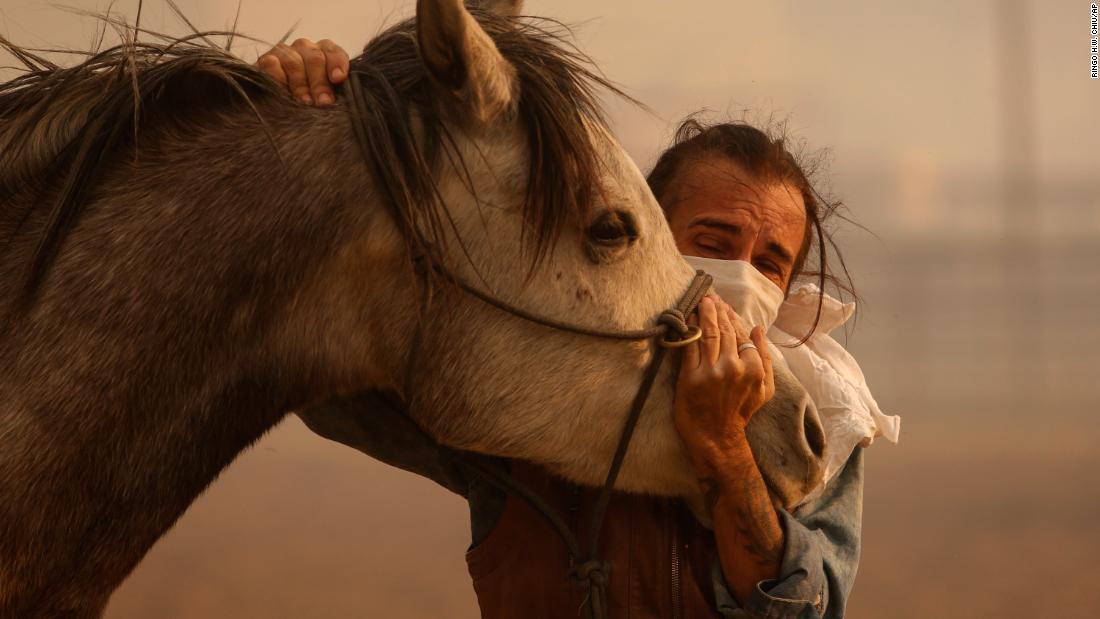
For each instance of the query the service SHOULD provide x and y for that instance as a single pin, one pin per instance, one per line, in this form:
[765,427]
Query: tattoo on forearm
[755,528]
[756,539]
[746,526]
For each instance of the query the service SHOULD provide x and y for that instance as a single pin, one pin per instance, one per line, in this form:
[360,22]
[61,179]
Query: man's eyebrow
[718,224]
[780,252]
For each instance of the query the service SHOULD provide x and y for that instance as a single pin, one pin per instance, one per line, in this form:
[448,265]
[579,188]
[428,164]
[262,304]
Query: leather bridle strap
[672,321]
[587,567]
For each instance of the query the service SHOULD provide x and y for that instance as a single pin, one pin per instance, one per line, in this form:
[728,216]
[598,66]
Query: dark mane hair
[558,101]
[61,127]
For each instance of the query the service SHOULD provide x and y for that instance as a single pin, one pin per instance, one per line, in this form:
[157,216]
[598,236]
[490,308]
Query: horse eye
[613,228]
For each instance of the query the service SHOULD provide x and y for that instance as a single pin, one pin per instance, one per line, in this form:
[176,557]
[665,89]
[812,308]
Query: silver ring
[743,347]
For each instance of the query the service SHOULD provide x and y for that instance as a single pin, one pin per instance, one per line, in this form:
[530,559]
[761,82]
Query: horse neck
[200,298]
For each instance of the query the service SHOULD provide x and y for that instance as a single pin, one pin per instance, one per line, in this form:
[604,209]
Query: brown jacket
[661,557]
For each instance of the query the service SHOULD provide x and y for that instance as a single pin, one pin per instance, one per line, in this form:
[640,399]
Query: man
[730,192]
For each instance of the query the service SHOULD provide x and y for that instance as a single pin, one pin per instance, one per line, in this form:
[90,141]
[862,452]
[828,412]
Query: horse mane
[60,127]
[558,105]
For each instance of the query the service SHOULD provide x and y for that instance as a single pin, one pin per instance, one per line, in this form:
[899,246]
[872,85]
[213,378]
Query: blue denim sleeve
[819,560]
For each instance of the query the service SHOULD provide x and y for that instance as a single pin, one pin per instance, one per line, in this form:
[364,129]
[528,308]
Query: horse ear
[463,59]
[507,8]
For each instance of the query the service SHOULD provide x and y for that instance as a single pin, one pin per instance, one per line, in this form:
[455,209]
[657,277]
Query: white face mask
[754,297]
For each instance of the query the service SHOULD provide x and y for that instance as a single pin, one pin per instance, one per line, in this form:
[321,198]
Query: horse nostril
[815,435]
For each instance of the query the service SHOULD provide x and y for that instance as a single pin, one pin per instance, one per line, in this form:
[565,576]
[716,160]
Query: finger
[711,342]
[295,68]
[728,338]
[760,338]
[269,63]
[691,351]
[336,61]
[314,58]
[739,327]
[753,362]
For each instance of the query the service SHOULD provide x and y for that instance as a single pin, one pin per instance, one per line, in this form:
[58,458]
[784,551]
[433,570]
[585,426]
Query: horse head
[536,204]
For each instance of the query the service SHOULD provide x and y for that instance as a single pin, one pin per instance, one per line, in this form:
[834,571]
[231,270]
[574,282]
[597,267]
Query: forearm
[820,557]
[746,527]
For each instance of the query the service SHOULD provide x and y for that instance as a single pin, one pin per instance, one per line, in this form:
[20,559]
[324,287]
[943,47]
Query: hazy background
[964,134]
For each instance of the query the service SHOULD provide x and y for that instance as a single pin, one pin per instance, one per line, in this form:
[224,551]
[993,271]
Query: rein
[671,331]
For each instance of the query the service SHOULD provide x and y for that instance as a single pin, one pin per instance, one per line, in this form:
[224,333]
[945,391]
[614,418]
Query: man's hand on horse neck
[309,70]
[718,392]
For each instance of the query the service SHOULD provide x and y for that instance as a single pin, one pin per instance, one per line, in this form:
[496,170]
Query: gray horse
[171,284]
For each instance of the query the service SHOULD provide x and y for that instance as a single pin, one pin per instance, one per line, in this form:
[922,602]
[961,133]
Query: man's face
[716,210]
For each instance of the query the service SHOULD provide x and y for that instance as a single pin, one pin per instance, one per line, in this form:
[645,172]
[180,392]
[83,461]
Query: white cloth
[832,377]
[849,414]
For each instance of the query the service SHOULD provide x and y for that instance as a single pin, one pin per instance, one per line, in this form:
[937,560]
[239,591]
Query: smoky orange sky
[936,113]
